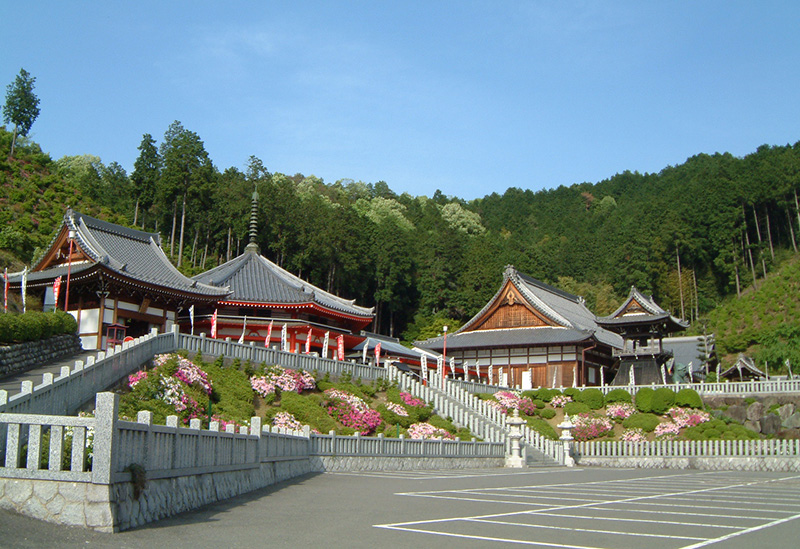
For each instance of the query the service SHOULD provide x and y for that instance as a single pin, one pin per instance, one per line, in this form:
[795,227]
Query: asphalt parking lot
[548,507]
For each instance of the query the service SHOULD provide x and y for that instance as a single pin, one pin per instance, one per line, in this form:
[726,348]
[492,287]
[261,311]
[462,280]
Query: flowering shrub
[133,379]
[507,399]
[283,379]
[191,374]
[285,420]
[588,426]
[634,435]
[351,411]
[620,411]
[427,431]
[667,431]
[410,400]
[397,409]
[559,401]
[684,417]
[497,406]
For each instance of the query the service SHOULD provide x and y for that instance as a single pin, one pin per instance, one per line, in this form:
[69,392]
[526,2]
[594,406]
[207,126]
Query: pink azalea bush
[283,379]
[559,401]
[588,426]
[398,409]
[410,400]
[620,411]
[285,420]
[428,431]
[351,411]
[667,431]
[174,380]
[635,434]
[687,417]
[133,379]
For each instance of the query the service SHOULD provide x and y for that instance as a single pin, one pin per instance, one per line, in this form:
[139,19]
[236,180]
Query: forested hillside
[692,235]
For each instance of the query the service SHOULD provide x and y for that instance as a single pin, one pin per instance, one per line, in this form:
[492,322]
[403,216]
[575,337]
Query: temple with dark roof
[643,325]
[533,335]
[112,276]
[262,292]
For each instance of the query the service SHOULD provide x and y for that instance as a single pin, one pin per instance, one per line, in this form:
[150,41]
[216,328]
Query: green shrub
[572,392]
[531,394]
[307,410]
[34,325]
[232,395]
[644,400]
[593,398]
[441,423]
[575,408]
[547,413]
[539,404]
[688,398]
[546,394]
[647,422]
[663,399]
[618,395]
[542,427]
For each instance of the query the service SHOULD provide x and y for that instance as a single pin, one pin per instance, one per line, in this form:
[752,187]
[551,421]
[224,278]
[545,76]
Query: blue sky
[466,97]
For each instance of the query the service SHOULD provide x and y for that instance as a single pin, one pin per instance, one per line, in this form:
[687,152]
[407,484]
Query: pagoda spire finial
[252,246]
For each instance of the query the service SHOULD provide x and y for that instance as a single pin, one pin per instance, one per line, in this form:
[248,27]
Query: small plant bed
[233,392]
[659,414]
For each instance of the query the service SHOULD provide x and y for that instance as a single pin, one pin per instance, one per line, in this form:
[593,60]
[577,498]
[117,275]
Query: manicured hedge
[575,408]
[688,398]
[593,398]
[618,395]
[646,422]
[663,400]
[644,400]
[33,326]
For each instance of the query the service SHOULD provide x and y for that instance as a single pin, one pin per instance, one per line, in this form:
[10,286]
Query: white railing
[733,388]
[690,448]
[485,421]
[333,445]
[77,385]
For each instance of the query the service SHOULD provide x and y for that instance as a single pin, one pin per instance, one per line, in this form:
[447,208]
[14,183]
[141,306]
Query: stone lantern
[515,434]
[566,427]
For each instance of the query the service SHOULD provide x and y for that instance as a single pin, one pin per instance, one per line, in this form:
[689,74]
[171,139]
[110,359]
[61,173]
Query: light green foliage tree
[21,107]
[462,220]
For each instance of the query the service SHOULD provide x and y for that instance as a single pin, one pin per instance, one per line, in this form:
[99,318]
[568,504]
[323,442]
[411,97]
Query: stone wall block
[786,411]
[770,424]
[755,411]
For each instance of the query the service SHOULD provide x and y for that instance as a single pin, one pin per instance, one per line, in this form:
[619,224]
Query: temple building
[531,334]
[264,294]
[643,325]
[113,280]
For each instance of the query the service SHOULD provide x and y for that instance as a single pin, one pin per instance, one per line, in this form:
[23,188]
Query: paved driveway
[548,507]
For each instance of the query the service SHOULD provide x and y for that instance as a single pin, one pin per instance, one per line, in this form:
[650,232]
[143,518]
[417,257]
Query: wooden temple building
[264,293]
[113,280]
[533,335]
[643,326]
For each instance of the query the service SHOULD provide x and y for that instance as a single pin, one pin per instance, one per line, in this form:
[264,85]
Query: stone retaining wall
[777,464]
[21,357]
[113,508]
[334,464]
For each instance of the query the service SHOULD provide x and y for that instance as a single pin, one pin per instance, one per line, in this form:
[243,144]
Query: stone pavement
[13,382]
[545,507]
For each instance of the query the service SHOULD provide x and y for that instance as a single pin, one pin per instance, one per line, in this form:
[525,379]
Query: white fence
[690,448]
[728,388]
[333,445]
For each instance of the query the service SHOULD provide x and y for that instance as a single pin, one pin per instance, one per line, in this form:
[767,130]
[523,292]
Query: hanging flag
[214,325]
[5,290]
[340,347]
[491,374]
[308,341]
[269,334]
[24,289]
[555,377]
[244,329]
[478,371]
[453,367]
[364,353]
[691,374]
[191,317]
[440,365]
[788,367]
[603,378]
[325,345]
[502,380]
[284,339]
[718,379]
[423,366]
[631,377]
[575,376]
[56,291]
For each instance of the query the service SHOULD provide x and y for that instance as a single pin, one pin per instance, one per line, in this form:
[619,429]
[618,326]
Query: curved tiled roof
[574,321]
[131,253]
[653,313]
[255,279]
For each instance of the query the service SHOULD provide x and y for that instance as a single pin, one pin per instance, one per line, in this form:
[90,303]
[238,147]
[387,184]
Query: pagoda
[263,295]
[643,326]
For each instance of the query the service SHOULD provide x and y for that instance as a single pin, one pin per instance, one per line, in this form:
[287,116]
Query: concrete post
[106,411]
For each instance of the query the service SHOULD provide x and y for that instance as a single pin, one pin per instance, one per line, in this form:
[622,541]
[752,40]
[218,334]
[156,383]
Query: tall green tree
[145,176]
[22,106]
